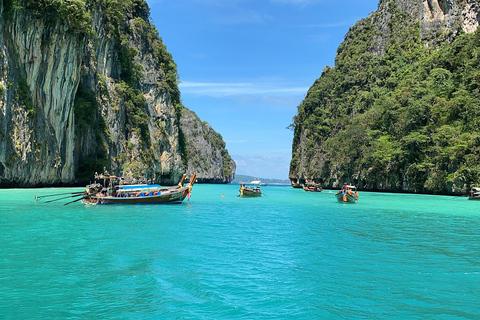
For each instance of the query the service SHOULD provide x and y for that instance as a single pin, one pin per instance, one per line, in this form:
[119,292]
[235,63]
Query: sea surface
[288,255]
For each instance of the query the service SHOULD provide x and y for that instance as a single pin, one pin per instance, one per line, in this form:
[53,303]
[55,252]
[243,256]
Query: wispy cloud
[225,89]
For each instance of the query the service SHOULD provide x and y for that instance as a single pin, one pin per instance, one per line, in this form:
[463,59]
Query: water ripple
[291,255]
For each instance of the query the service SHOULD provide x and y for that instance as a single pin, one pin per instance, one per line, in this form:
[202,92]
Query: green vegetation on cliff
[73,12]
[88,84]
[205,150]
[407,119]
[85,108]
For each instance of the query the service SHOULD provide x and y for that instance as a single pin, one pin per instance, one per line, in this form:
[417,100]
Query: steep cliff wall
[205,148]
[85,86]
[40,74]
[399,111]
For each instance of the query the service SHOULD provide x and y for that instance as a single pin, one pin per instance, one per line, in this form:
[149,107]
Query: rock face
[432,15]
[40,73]
[92,88]
[367,121]
[205,149]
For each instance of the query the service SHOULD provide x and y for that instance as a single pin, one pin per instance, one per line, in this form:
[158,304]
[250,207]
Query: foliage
[137,117]
[25,97]
[183,143]
[127,23]
[226,161]
[147,41]
[218,144]
[85,110]
[72,12]
[85,107]
[88,164]
[411,112]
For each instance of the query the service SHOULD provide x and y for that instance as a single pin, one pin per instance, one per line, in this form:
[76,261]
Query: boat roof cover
[139,186]
[255,182]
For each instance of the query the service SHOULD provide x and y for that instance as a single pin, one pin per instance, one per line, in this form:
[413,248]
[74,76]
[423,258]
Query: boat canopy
[256,182]
[137,187]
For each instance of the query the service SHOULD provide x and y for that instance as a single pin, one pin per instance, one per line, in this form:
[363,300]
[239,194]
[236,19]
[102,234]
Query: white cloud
[225,89]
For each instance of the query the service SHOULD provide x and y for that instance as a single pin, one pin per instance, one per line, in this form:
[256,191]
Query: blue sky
[245,66]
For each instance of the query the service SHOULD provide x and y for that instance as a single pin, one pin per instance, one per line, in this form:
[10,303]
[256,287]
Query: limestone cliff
[88,85]
[204,149]
[399,110]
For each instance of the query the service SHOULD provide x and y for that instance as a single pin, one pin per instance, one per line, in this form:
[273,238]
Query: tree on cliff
[404,120]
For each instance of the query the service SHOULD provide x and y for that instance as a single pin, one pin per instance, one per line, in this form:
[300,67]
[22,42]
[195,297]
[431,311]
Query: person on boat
[102,193]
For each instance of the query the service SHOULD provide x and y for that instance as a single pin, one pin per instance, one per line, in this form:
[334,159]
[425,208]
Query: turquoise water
[288,255]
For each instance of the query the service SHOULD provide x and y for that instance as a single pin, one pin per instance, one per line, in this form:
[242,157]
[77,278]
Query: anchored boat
[250,192]
[137,194]
[474,194]
[312,188]
[348,194]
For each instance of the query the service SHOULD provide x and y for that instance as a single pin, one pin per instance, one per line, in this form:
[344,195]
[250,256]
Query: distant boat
[474,194]
[137,194]
[250,192]
[348,194]
[312,188]
[259,183]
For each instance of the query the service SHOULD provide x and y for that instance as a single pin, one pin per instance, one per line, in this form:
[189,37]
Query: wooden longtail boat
[474,194]
[348,194]
[138,194]
[312,188]
[249,192]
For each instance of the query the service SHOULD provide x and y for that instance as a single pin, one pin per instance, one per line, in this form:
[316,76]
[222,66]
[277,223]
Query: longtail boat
[348,194]
[312,188]
[474,194]
[137,194]
[249,192]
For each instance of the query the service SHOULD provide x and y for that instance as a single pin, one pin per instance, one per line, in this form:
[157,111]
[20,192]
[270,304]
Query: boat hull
[346,198]
[250,194]
[312,189]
